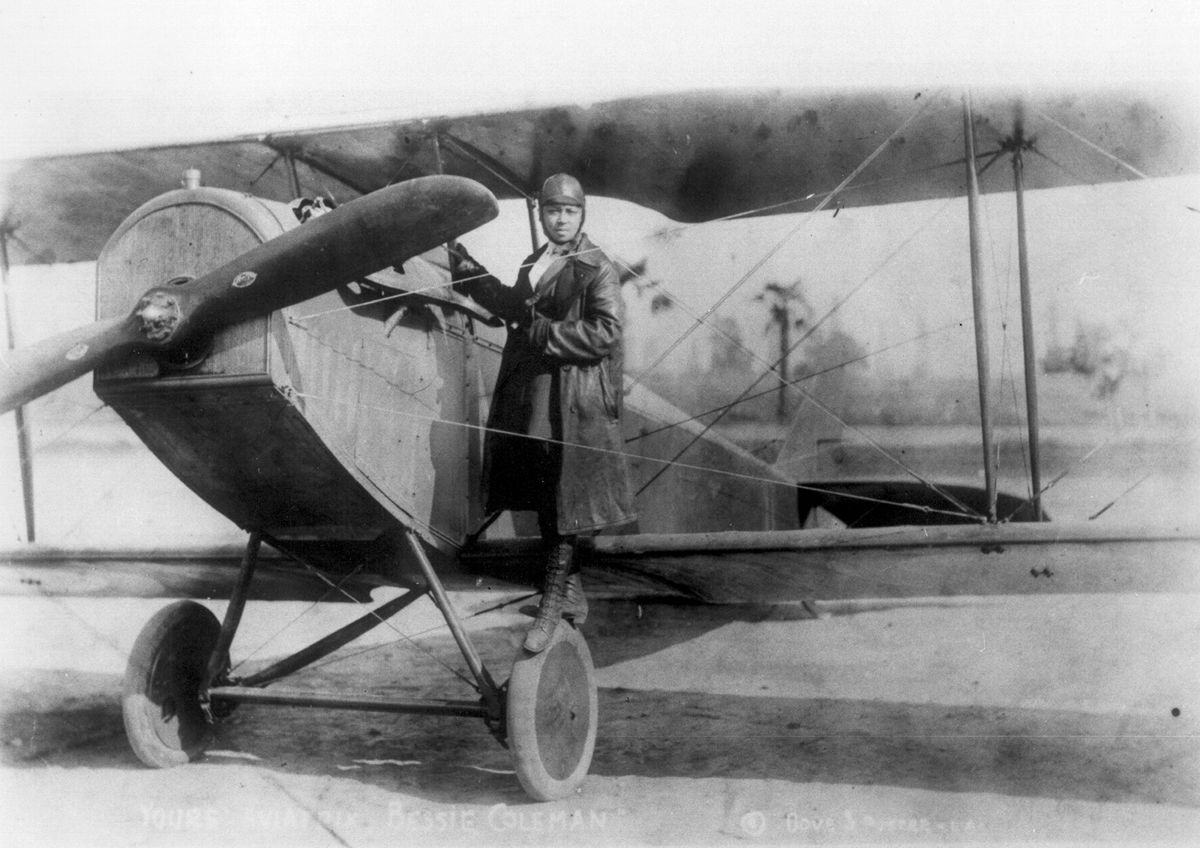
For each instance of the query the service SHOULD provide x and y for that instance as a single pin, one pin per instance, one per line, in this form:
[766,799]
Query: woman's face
[561,221]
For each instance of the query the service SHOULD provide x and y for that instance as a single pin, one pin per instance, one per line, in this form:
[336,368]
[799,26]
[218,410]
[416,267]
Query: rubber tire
[552,713]
[160,702]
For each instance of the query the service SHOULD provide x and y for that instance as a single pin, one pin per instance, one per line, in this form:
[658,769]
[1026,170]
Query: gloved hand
[463,267]
[539,330]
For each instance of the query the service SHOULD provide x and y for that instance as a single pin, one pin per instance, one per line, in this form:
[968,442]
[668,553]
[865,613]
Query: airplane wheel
[164,719]
[552,715]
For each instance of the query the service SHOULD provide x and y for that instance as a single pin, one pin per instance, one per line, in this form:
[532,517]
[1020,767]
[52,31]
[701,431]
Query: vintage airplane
[320,385]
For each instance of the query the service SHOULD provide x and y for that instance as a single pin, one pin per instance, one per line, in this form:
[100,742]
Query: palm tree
[780,299]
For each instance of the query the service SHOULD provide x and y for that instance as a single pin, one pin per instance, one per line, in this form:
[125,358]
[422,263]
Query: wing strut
[982,355]
[473,154]
[1031,398]
[24,457]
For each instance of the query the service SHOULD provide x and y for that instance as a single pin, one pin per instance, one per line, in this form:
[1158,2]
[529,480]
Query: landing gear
[552,715]
[178,679]
[165,717]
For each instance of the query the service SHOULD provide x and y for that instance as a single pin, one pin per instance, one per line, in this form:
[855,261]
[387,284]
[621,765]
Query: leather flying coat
[572,327]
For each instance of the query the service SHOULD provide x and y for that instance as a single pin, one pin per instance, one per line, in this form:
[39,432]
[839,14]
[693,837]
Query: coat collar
[583,251]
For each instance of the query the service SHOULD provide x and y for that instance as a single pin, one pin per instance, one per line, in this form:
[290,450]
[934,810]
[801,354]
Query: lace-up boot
[554,598]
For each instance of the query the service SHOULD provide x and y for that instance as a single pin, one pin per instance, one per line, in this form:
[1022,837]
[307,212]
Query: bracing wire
[779,246]
[474,155]
[912,472]
[1094,146]
[774,481]
[387,623]
[816,195]
[795,384]
[288,625]
[1061,476]
[57,437]
[1113,502]
[805,394]
[769,368]
[412,292]
[1004,303]
[1141,175]
[828,313]
[790,383]
[843,187]
[342,656]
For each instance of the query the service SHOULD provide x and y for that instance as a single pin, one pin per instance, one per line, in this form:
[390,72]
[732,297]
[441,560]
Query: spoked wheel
[164,718]
[552,715]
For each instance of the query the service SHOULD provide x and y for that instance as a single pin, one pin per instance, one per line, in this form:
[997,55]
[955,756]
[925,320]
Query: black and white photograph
[678,423]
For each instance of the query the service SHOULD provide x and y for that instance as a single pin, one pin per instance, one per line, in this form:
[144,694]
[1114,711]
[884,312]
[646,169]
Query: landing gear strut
[177,682]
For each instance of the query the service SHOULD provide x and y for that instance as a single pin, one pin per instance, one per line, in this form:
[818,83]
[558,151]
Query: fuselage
[333,425]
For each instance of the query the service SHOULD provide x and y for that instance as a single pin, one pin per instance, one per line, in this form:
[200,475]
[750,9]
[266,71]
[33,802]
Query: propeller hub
[160,314]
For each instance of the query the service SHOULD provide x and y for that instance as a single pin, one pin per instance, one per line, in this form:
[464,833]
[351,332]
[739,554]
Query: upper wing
[693,156]
[64,208]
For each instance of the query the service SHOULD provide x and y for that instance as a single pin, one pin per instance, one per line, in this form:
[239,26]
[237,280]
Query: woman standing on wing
[554,442]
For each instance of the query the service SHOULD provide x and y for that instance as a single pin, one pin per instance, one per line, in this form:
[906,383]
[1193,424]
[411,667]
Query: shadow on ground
[74,721]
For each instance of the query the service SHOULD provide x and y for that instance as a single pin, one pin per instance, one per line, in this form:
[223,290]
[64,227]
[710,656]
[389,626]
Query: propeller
[375,231]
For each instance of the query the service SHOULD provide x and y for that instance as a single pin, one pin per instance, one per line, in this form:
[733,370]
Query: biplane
[320,384]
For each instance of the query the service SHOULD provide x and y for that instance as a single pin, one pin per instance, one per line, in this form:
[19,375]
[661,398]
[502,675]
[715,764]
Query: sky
[85,76]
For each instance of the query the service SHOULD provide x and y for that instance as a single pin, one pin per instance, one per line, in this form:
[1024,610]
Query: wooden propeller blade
[380,229]
[33,371]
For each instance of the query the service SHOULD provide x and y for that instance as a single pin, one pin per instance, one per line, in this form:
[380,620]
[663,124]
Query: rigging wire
[415,291]
[769,368]
[342,656]
[1076,465]
[41,446]
[845,187]
[967,511]
[790,383]
[1004,301]
[1062,167]
[473,154]
[795,383]
[805,394]
[304,612]
[1093,145]
[1006,352]
[816,195]
[298,321]
[1113,502]
[117,483]
[788,237]
[387,623]
[775,481]
[1142,175]
[1061,476]
[828,314]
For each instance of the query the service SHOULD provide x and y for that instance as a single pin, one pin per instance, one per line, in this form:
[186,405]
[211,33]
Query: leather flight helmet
[562,188]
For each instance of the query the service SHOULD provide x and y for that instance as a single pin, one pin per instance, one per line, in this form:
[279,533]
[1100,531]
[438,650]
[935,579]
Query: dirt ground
[1064,719]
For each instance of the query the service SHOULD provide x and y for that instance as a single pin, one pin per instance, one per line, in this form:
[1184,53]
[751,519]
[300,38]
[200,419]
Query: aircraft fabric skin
[574,324]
